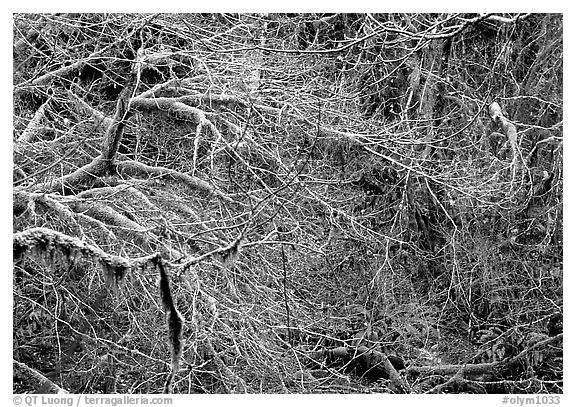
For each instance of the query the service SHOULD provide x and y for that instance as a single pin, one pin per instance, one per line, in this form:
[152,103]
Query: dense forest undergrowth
[287,203]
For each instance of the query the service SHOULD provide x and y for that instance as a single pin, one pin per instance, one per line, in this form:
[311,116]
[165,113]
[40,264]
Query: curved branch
[138,169]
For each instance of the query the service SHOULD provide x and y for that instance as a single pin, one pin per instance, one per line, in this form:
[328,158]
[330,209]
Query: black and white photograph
[287,203]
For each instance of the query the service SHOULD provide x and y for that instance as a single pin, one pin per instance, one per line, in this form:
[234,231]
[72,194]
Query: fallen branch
[471,371]
[45,385]
[365,362]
